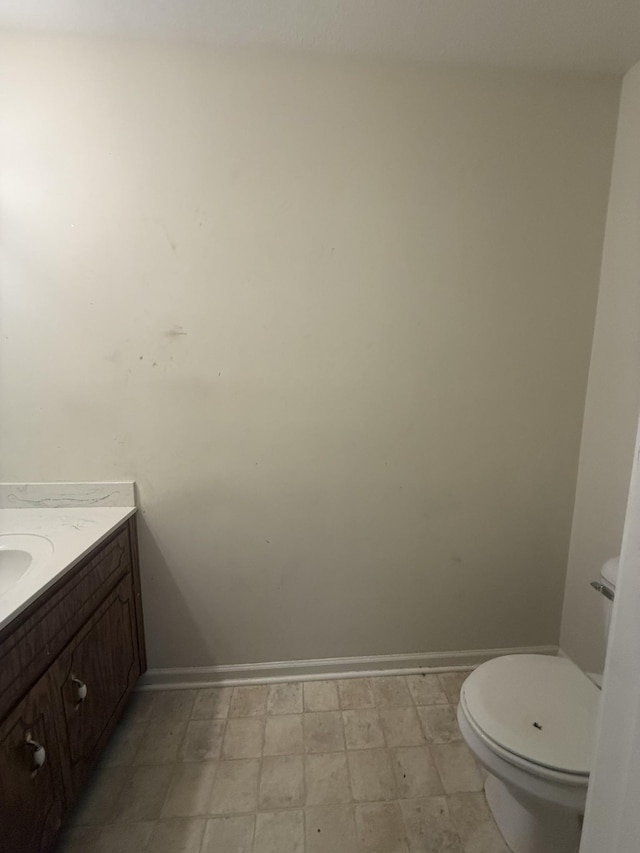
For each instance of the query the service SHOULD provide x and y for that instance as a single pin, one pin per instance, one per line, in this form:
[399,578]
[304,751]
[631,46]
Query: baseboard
[308,670]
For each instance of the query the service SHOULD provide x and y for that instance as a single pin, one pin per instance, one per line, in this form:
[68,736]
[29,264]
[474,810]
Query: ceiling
[580,35]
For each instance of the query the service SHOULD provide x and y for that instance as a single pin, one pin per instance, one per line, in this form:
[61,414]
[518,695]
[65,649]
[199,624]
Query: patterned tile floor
[362,765]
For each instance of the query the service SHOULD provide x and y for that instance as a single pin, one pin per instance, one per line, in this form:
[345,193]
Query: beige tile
[160,742]
[285,698]
[280,832]
[138,708]
[440,724]
[426,689]
[457,767]
[172,705]
[330,829]
[100,796]
[235,788]
[327,779]
[323,731]
[123,744]
[380,828]
[475,825]
[179,835]
[355,693]
[451,683]
[391,691]
[228,835]
[281,782]
[371,775]
[283,735]
[243,737]
[401,727]
[429,826]
[78,839]
[320,696]
[212,703]
[143,794]
[131,838]
[249,701]
[190,789]
[362,729]
[202,740]
[416,772]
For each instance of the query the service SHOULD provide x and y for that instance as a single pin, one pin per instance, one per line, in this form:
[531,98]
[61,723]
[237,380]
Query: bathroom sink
[20,553]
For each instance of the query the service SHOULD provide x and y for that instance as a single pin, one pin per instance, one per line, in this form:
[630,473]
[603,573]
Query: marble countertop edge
[67,494]
[73,532]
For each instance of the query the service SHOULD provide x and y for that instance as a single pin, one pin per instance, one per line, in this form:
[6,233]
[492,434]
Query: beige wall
[613,398]
[334,317]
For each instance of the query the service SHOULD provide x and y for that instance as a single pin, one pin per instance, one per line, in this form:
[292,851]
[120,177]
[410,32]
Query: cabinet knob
[81,689]
[39,753]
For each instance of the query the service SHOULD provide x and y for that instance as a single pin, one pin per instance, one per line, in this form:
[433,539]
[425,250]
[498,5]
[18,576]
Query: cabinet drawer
[27,649]
[91,680]
[31,800]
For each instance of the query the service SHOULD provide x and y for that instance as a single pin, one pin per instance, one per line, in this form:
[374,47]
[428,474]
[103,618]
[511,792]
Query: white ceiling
[585,35]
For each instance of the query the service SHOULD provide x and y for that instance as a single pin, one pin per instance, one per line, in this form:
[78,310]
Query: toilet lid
[538,707]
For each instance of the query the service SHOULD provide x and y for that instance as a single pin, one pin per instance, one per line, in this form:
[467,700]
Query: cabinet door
[31,790]
[92,678]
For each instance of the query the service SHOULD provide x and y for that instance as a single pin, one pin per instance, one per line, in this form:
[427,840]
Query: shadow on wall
[168,619]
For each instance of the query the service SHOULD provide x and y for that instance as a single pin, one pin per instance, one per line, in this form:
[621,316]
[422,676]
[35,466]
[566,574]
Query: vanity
[71,650]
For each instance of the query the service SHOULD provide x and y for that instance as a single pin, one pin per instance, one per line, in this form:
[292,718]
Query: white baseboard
[309,670]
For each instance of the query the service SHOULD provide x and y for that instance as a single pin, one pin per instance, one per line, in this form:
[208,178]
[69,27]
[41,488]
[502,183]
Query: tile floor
[363,765]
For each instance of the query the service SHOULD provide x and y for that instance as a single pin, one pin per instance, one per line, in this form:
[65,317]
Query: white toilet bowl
[530,721]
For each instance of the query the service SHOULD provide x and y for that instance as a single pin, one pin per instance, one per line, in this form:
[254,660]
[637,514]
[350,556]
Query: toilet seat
[537,712]
[530,768]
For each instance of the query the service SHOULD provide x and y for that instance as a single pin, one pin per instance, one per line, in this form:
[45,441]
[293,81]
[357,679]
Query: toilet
[530,720]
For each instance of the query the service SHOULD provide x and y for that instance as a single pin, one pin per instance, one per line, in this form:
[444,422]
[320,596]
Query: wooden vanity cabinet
[92,679]
[31,808]
[67,667]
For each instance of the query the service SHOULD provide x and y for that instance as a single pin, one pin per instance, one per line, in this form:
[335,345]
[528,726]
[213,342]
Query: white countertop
[73,532]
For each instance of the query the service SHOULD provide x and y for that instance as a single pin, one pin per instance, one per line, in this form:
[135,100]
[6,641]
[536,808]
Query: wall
[613,399]
[333,316]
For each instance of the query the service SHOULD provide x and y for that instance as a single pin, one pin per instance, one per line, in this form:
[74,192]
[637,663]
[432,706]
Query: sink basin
[20,553]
